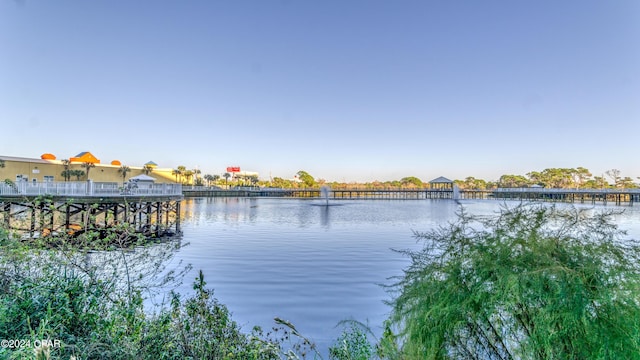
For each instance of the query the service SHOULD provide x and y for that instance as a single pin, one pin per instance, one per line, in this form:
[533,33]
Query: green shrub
[353,344]
[59,303]
[201,328]
[534,282]
[100,315]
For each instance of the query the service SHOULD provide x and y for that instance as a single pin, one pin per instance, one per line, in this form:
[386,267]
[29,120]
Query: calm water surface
[309,264]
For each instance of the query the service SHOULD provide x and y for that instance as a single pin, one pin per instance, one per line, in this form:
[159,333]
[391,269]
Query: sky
[344,90]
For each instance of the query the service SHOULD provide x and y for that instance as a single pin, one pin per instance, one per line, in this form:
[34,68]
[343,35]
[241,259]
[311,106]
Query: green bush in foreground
[91,305]
[534,282]
[89,326]
[353,344]
[202,328]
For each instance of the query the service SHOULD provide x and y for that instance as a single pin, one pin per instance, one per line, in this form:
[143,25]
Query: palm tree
[176,173]
[182,169]
[216,178]
[1,163]
[147,169]
[66,174]
[123,170]
[77,173]
[226,177]
[209,179]
[88,166]
[188,175]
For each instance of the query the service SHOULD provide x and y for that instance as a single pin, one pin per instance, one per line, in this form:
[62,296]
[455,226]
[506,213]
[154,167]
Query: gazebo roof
[440,180]
[143,177]
[151,163]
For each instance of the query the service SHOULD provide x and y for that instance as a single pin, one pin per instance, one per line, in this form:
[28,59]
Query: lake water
[309,264]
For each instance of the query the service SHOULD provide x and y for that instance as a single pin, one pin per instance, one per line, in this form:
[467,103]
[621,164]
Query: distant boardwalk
[603,196]
[39,209]
[583,196]
[403,194]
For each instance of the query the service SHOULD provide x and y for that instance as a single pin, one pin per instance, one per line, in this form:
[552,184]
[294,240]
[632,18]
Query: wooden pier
[583,196]
[37,210]
[337,194]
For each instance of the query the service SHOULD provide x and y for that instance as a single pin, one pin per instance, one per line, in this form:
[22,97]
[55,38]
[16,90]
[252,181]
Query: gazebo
[142,178]
[441,183]
[141,181]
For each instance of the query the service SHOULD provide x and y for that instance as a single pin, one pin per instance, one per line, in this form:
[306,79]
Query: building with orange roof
[47,168]
[85,157]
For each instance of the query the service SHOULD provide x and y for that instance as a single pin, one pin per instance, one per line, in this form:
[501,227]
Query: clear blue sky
[345,90]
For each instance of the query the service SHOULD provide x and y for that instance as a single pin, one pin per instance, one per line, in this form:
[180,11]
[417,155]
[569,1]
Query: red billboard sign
[233,169]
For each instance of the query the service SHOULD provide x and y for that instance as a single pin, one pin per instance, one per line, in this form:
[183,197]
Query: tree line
[577,178]
[305,180]
[194,177]
[573,178]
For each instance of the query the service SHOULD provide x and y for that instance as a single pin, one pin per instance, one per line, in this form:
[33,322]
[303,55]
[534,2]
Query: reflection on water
[312,265]
[324,216]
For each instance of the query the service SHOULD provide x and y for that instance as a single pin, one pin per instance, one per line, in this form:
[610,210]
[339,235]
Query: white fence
[88,188]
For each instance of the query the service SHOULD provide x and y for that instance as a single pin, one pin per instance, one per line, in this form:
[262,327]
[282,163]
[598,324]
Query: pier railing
[562,191]
[529,194]
[89,188]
